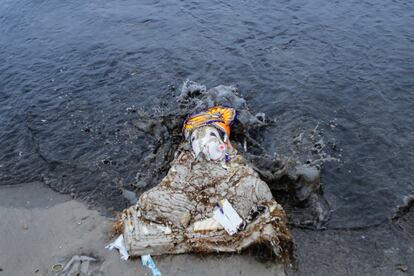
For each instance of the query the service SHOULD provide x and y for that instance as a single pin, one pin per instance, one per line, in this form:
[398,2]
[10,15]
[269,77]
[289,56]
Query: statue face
[207,140]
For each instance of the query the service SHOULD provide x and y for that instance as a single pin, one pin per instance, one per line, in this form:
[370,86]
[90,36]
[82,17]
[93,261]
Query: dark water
[75,76]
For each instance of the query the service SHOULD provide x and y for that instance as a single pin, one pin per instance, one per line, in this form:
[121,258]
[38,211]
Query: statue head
[208,142]
[208,132]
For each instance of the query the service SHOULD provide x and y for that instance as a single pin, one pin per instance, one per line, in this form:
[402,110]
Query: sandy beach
[40,228]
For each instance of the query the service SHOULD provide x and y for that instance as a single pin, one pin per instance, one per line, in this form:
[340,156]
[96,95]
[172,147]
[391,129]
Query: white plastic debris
[206,225]
[78,265]
[227,217]
[120,245]
[148,261]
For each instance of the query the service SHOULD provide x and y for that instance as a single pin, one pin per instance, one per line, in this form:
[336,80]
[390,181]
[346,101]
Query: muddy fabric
[162,222]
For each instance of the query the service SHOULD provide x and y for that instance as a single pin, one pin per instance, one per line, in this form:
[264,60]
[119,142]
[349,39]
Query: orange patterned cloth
[218,116]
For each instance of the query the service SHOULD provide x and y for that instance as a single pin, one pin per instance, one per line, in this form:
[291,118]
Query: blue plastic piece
[148,261]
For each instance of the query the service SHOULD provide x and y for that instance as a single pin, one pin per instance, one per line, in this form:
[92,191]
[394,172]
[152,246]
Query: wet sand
[40,228]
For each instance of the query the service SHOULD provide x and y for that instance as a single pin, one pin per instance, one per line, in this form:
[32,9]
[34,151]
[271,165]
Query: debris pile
[212,197]
[203,206]
[294,179]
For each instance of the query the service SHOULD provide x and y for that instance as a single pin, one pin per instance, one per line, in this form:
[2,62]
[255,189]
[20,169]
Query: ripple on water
[70,70]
